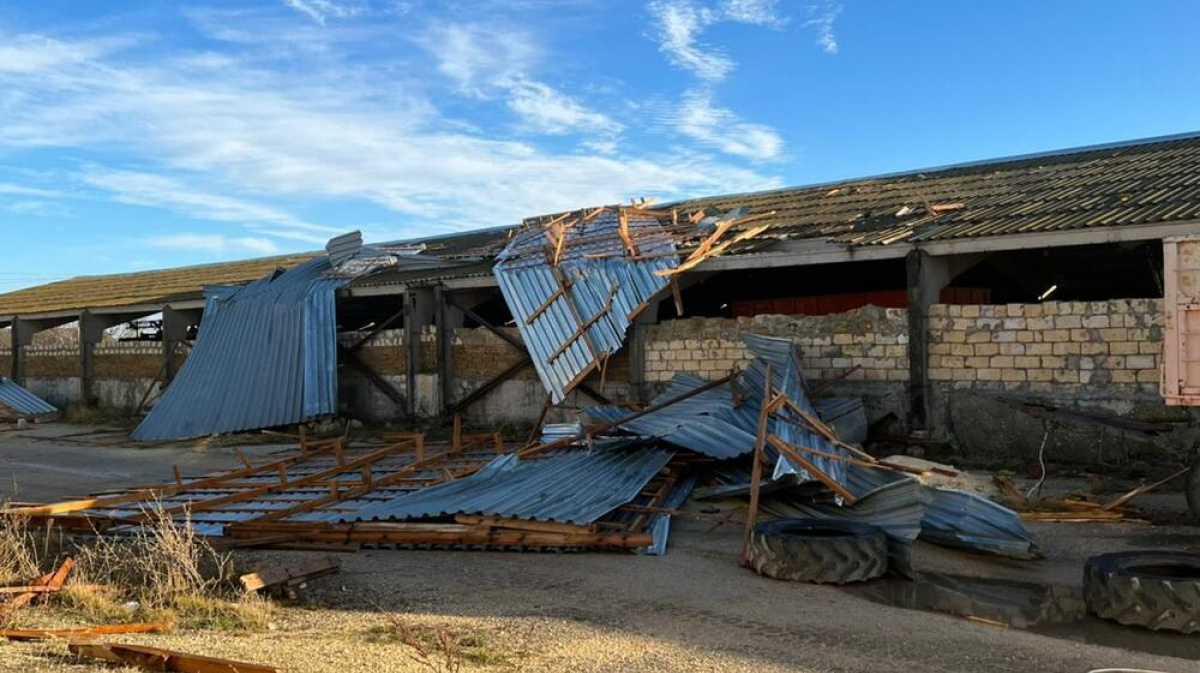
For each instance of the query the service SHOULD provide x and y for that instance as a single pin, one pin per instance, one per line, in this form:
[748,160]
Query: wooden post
[760,442]
[457,442]
[303,439]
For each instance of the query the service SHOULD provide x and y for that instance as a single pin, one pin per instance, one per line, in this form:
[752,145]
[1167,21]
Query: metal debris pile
[470,492]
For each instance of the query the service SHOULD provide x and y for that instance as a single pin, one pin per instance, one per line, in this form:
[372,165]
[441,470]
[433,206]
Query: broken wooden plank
[84,631]
[300,572]
[1141,490]
[156,659]
[523,524]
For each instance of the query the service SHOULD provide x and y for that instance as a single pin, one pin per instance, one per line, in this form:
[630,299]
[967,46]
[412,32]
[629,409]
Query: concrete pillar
[418,311]
[926,276]
[637,352]
[448,318]
[22,335]
[175,325]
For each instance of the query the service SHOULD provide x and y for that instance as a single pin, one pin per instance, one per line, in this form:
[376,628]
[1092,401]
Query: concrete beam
[808,252]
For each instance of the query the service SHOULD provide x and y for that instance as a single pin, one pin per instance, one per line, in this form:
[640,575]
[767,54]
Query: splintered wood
[156,659]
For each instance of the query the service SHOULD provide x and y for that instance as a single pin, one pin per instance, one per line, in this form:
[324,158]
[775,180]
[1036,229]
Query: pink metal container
[1181,342]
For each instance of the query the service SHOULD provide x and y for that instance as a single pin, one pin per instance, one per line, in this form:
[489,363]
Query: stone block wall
[871,341]
[1049,347]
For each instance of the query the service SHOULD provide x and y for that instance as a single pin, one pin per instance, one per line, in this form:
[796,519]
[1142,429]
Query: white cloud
[480,57]
[754,12]
[494,62]
[236,141]
[156,191]
[13,189]
[823,16]
[680,24]
[320,10]
[698,118]
[547,110]
[37,208]
[214,243]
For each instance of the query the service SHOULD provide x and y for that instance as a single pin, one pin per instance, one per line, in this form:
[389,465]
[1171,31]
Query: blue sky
[137,135]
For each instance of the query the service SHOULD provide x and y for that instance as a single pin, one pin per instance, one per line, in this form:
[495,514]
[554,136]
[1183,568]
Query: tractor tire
[822,551]
[1192,488]
[1157,590]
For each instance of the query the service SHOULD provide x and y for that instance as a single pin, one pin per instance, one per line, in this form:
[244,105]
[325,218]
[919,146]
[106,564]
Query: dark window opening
[1074,273]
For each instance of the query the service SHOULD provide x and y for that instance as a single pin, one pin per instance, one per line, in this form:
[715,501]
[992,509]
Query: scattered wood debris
[289,577]
[42,586]
[155,659]
[84,632]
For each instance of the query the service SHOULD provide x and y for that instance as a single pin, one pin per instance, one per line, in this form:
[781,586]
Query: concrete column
[418,311]
[91,332]
[22,335]
[175,325]
[448,318]
[637,352]
[926,276]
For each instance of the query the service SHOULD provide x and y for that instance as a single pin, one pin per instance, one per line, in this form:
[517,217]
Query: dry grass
[443,648]
[21,550]
[164,572]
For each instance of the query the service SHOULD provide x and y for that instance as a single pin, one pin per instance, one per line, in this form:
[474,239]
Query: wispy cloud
[13,189]
[822,17]
[320,10]
[157,191]
[680,24]
[237,140]
[700,119]
[548,110]
[495,62]
[214,243]
[477,57]
[37,208]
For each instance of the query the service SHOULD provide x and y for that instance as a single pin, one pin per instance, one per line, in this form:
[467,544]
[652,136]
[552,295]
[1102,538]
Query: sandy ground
[691,610]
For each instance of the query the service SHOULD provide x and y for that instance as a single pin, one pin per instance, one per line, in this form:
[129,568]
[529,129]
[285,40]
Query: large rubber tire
[1157,590]
[1192,488]
[823,551]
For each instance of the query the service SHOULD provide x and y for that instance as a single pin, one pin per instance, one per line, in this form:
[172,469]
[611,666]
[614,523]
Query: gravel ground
[691,610]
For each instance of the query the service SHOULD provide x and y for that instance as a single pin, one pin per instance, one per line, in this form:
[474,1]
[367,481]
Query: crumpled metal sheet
[266,355]
[21,401]
[569,487]
[594,267]
[971,521]
[711,424]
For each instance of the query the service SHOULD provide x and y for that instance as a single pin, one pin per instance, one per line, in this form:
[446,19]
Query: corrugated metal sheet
[660,524]
[710,424]
[971,521]
[265,355]
[21,401]
[694,424]
[592,268]
[342,249]
[569,487]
